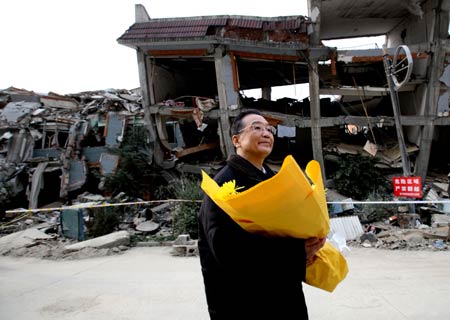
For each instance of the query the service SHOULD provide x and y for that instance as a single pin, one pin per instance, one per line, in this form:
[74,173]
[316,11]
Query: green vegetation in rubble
[378,212]
[5,195]
[134,173]
[357,177]
[105,220]
[185,213]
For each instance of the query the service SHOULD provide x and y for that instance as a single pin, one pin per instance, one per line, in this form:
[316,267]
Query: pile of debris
[42,241]
[71,232]
[62,234]
[427,230]
[393,238]
[55,140]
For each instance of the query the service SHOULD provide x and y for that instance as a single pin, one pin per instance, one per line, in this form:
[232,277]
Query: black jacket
[248,276]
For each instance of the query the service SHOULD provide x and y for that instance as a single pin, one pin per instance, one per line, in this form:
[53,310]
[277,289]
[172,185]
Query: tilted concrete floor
[149,283]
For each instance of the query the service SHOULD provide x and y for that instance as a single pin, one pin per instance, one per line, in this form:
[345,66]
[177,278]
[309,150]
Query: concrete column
[145,80]
[148,96]
[432,96]
[227,98]
[314,8]
[266,93]
[16,147]
[316,134]
[438,35]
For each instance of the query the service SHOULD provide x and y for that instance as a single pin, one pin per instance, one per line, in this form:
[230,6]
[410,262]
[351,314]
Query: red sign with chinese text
[409,187]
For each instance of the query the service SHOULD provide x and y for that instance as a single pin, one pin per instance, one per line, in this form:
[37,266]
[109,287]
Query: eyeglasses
[259,127]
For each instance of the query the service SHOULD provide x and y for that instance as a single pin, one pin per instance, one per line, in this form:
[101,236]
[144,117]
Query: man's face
[255,140]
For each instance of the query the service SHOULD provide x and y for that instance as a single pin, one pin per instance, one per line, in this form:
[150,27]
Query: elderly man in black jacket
[250,276]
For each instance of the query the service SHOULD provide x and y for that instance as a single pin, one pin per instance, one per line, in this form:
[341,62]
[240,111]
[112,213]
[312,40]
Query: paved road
[149,283]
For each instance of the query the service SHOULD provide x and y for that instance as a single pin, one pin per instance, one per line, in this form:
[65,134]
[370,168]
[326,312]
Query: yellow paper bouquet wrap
[286,205]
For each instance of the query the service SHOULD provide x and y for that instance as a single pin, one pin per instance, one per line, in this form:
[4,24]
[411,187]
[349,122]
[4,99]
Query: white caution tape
[97,205]
[103,205]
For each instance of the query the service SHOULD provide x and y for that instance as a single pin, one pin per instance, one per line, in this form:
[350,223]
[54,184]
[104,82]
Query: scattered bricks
[192,250]
[185,250]
[183,239]
[184,246]
[371,237]
[408,220]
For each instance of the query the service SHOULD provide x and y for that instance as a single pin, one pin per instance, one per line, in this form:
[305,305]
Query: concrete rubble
[22,239]
[57,150]
[56,140]
[115,239]
[43,234]
[394,238]
[40,235]
[50,145]
[43,137]
[184,246]
[429,229]
[44,241]
[59,141]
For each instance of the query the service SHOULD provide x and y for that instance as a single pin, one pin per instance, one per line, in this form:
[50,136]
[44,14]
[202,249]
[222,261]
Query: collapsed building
[198,69]
[194,74]
[55,141]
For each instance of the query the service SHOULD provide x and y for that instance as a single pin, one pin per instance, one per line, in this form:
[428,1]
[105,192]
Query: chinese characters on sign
[409,187]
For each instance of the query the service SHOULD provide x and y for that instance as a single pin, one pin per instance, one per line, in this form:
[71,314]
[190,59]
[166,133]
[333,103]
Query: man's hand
[312,245]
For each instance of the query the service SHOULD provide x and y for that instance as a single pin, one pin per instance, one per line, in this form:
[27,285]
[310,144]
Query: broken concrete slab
[439,220]
[22,239]
[52,127]
[59,102]
[163,206]
[108,241]
[148,226]
[184,246]
[438,233]
[13,112]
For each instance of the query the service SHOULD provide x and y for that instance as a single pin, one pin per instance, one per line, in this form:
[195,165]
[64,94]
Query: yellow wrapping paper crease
[285,205]
[328,269]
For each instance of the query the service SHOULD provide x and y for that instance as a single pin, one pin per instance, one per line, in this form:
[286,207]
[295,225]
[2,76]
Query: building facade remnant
[220,57]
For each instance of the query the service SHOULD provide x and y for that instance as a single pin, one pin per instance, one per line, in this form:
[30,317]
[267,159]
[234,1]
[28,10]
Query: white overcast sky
[71,46]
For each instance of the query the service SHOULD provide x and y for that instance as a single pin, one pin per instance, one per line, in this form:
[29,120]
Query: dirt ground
[395,239]
[150,283]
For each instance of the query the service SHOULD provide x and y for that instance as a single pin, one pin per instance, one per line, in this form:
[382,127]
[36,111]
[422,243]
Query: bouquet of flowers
[286,205]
